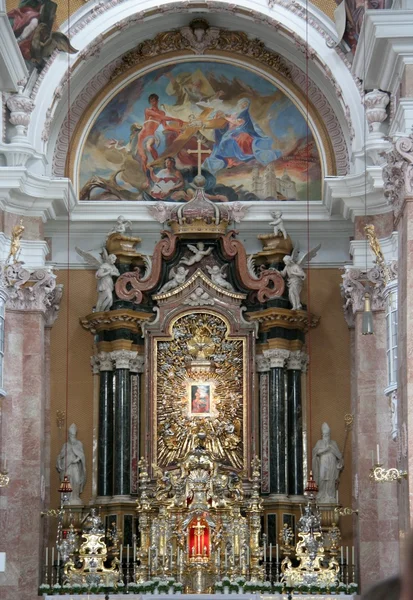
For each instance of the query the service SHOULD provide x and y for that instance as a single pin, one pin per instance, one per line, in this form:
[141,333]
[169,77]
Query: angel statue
[15,246]
[219,277]
[198,254]
[122,226]
[105,271]
[175,278]
[278,224]
[295,274]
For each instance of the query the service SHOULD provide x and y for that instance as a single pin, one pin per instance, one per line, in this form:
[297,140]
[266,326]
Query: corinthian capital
[398,173]
[262,364]
[277,357]
[355,284]
[123,358]
[298,361]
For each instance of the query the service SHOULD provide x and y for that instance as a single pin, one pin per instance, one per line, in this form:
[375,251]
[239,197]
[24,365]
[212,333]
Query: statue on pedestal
[296,275]
[327,464]
[106,270]
[278,224]
[71,462]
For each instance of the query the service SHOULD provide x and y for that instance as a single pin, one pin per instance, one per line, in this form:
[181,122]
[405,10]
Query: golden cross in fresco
[200,152]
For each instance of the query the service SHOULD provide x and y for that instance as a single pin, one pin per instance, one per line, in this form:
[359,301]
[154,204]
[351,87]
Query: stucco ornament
[398,173]
[21,108]
[327,464]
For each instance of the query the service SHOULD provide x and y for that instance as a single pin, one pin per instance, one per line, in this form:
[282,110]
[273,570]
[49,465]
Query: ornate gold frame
[153,348]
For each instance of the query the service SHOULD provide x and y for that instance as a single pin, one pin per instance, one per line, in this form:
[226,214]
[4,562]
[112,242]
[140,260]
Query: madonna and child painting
[255,144]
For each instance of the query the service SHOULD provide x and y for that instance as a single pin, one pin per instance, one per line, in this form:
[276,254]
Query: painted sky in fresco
[255,142]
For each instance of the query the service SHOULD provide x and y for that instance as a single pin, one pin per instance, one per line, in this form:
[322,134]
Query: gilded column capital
[262,363]
[123,358]
[277,357]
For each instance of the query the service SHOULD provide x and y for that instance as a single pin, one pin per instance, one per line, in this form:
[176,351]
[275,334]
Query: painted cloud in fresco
[255,142]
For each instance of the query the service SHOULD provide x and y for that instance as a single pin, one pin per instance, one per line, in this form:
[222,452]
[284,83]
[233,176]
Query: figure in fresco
[240,140]
[32,23]
[155,124]
[355,10]
[167,181]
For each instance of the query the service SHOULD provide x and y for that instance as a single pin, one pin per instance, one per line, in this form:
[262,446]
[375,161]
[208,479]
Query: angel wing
[295,252]
[172,274]
[309,255]
[192,248]
[223,269]
[57,41]
[89,258]
[251,267]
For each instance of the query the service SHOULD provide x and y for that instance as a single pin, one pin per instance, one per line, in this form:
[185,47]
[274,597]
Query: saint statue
[327,464]
[71,462]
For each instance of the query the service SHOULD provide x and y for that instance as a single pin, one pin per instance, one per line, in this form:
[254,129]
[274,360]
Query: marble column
[25,432]
[278,421]
[297,361]
[105,428]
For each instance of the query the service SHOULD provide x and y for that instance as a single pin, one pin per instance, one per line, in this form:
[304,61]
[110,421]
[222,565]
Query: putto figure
[327,464]
[122,226]
[71,462]
[219,277]
[278,224]
[199,253]
[176,278]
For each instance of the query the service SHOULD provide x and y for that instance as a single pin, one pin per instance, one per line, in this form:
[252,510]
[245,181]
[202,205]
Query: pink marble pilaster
[376,526]
[23,442]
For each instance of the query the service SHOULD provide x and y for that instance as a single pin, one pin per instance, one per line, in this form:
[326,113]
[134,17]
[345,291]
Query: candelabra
[345,511]
[379,474]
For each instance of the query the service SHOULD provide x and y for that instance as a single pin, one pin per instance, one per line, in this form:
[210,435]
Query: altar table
[205,596]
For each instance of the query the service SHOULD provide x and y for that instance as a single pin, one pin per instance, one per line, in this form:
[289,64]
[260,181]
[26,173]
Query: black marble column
[105,439]
[277,421]
[295,425]
[122,430]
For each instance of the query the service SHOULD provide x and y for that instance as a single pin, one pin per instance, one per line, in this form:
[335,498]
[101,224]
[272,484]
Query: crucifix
[199,533]
[199,151]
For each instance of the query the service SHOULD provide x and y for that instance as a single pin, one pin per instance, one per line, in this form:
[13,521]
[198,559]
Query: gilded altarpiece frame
[204,354]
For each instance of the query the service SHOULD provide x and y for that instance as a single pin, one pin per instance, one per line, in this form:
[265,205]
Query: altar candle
[58,557]
[276,553]
[265,551]
[219,557]
[47,557]
[378,454]
[270,552]
[226,558]
[337,496]
[134,550]
[149,558]
[120,553]
[248,555]
[52,556]
[347,555]
[341,555]
[171,556]
[127,554]
[352,556]
[372,458]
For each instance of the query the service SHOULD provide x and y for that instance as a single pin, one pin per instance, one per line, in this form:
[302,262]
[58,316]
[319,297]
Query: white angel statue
[175,278]
[295,274]
[278,224]
[105,271]
[219,277]
[198,254]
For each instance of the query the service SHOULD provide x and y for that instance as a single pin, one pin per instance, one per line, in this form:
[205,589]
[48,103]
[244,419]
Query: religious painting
[32,22]
[200,398]
[254,142]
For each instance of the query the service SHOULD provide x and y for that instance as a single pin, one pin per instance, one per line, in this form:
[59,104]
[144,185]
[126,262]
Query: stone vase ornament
[376,103]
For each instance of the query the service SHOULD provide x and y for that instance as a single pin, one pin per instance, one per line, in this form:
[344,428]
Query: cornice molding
[386,34]
[283,317]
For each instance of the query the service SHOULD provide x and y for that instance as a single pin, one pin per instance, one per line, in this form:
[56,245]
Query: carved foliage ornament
[199,38]
[398,173]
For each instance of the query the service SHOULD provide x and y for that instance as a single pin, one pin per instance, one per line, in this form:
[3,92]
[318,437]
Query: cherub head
[112,259]
[181,270]
[287,259]
[215,269]
[200,245]
[277,214]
